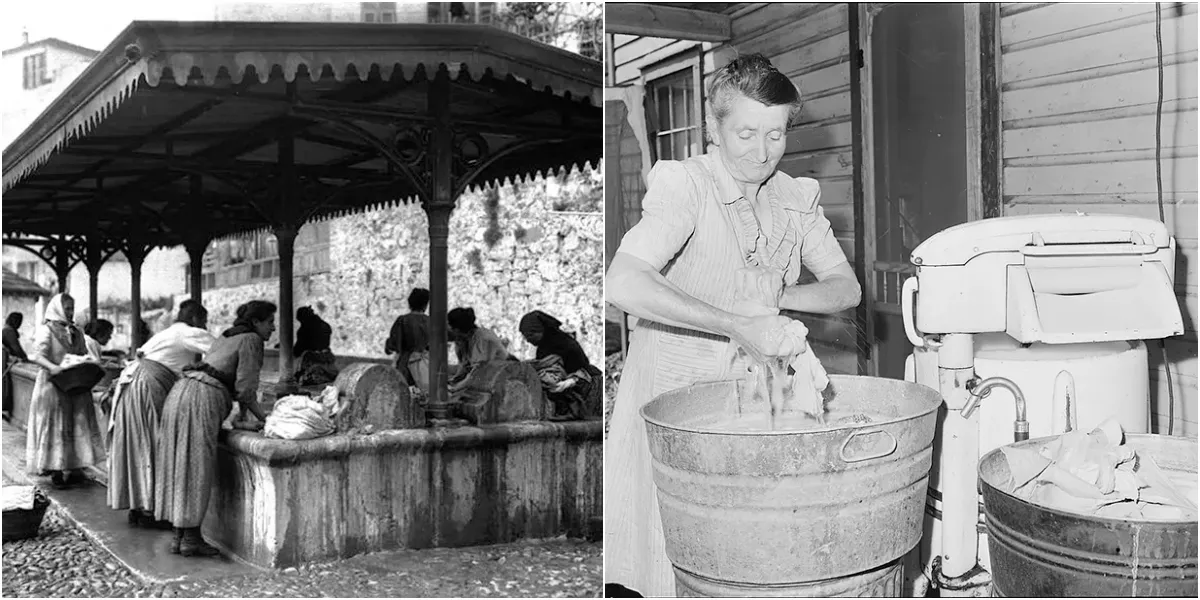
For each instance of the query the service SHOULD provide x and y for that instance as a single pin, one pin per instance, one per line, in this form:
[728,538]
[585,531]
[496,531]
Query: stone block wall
[510,253]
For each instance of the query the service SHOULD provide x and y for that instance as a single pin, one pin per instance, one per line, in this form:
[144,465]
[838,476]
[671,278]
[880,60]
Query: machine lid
[1002,347]
[1038,233]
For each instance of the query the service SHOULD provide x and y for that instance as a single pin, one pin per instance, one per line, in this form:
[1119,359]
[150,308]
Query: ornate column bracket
[98,249]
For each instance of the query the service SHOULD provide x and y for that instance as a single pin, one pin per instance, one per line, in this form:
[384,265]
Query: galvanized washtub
[822,512]
[1039,551]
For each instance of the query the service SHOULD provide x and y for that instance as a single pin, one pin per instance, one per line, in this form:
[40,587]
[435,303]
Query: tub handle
[908,296]
[880,454]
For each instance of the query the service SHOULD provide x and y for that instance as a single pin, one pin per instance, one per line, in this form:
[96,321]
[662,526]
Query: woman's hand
[769,336]
[757,291]
[54,369]
[564,385]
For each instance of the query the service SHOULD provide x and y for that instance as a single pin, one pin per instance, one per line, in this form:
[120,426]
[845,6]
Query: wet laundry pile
[300,417]
[1096,473]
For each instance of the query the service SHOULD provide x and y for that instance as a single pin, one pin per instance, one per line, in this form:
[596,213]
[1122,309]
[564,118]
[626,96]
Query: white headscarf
[55,312]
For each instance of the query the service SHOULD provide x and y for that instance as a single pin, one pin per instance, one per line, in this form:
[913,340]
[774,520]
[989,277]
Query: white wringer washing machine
[1043,316]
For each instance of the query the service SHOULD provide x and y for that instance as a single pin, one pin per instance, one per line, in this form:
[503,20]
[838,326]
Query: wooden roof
[180,125]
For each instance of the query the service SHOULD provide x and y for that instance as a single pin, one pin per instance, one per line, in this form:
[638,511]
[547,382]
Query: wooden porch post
[438,208]
[198,242]
[195,250]
[62,265]
[286,237]
[285,229]
[136,253]
[94,260]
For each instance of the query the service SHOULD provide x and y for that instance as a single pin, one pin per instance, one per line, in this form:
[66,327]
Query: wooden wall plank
[1127,89]
[817,165]
[822,82]
[1064,17]
[769,17]
[835,135]
[796,58]
[1178,129]
[1178,175]
[815,30]
[639,48]
[1107,48]
[823,109]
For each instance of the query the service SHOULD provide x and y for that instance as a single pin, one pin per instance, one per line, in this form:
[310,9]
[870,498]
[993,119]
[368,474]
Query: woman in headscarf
[314,357]
[137,403]
[472,344]
[186,458]
[63,435]
[567,375]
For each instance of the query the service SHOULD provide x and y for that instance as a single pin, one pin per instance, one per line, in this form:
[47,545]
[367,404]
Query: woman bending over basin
[718,252]
[569,380]
[473,345]
[186,459]
[138,400]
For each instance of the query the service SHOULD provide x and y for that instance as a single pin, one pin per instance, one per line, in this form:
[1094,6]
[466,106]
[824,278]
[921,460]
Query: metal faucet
[982,387]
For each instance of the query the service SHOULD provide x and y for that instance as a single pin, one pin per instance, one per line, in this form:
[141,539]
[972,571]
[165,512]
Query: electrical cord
[1162,212]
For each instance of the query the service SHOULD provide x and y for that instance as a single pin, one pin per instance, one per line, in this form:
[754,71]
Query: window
[35,71]
[378,12]
[674,108]
[234,262]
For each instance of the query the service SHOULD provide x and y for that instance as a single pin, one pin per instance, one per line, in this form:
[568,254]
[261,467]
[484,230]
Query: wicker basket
[23,524]
[78,378]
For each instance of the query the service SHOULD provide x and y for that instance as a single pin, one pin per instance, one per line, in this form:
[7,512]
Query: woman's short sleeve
[669,211]
[819,249]
[249,367]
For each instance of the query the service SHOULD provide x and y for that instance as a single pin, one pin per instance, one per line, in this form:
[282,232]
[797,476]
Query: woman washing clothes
[473,345]
[63,437]
[138,400]
[313,352]
[185,460]
[568,377]
[717,253]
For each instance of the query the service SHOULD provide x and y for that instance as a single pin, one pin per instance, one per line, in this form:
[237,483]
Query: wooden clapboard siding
[1079,89]
[810,43]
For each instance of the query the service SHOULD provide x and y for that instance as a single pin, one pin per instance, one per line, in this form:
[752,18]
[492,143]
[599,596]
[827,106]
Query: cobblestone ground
[61,562]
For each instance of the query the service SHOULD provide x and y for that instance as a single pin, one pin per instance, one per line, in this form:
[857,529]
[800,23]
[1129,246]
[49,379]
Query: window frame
[35,71]
[691,58]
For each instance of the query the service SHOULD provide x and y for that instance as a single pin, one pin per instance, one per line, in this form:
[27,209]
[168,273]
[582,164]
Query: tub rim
[827,429]
[1074,515]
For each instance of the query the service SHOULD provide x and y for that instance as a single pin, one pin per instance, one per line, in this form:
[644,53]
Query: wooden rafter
[666,22]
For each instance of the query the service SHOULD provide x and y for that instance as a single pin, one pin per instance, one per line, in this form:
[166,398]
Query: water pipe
[980,388]
[960,458]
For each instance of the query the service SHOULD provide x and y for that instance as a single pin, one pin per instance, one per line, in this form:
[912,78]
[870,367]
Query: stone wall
[510,253]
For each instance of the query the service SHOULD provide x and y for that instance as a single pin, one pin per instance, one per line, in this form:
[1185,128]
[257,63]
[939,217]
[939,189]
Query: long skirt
[661,358]
[62,432]
[185,462]
[135,415]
